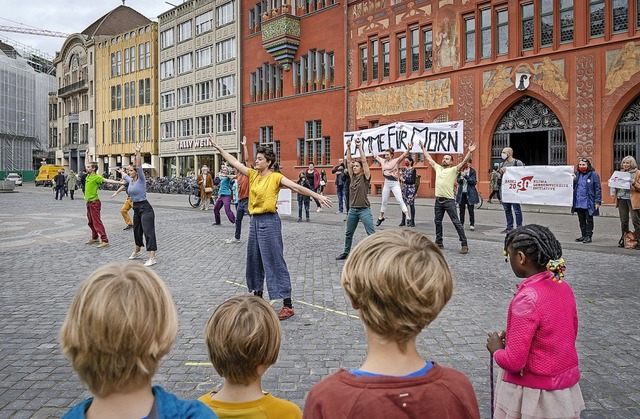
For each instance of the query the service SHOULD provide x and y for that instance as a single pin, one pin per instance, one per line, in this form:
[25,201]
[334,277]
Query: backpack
[630,240]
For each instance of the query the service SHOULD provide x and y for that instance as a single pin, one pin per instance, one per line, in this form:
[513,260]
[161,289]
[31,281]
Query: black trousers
[586,222]
[447,205]
[464,203]
[144,220]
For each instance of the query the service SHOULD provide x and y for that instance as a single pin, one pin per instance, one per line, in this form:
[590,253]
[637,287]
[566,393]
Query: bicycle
[194,197]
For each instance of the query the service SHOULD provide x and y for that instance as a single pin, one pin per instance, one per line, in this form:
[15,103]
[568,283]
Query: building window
[185,127]
[147,92]
[185,95]
[637,14]
[119,96]
[204,124]
[168,130]
[402,55]
[126,95]
[167,100]
[620,16]
[470,39]
[502,32]
[226,50]
[386,59]
[184,31]
[184,63]
[566,21]
[113,98]
[314,148]
[415,49]
[485,33]
[141,52]
[204,57]
[132,93]
[147,54]
[226,13]
[132,58]
[596,18]
[166,38]
[527,27]
[375,65]
[427,39]
[204,22]
[126,61]
[267,140]
[166,69]
[226,122]
[546,23]
[204,90]
[226,86]
[363,64]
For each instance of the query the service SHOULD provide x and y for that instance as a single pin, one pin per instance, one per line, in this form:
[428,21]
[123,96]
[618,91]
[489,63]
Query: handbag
[208,190]
[630,240]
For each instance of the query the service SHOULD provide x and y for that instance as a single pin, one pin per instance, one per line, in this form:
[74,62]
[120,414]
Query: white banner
[283,206]
[438,138]
[540,185]
[620,180]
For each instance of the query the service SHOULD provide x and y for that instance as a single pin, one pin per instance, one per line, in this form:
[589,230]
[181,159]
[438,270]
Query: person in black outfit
[60,181]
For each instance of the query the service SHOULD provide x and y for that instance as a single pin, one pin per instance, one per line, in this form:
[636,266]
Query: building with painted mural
[199,81]
[293,81]
[127,97]
[556,80]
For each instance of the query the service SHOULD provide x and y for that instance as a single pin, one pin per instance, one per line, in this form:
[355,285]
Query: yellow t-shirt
[445,179]
[263,192]
[267,407]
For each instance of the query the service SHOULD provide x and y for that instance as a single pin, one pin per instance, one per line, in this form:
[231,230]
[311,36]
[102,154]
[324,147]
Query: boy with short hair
[243,339]
[399,281]
[121,322]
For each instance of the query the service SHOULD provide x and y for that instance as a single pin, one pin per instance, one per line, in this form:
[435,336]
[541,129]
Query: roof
[119,20]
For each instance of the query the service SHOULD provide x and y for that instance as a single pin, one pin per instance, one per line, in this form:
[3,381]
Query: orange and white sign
[538,185]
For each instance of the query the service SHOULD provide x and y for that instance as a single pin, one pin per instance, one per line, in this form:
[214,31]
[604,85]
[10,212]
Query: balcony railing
[72,88]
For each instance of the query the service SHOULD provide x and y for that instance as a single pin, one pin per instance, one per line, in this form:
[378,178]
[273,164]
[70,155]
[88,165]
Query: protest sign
[284,202]
[438,138]
[541,185]
[620,180]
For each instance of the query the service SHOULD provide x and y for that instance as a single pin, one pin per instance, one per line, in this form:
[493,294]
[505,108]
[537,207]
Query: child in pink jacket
[537,353]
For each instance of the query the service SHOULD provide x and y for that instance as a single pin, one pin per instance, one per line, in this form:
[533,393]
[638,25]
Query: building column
[112,163]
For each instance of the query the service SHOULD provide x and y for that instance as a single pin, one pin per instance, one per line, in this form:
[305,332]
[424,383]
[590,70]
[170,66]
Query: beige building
[199,83]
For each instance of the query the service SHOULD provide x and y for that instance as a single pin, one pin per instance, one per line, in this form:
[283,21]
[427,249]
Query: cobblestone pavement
[43,258]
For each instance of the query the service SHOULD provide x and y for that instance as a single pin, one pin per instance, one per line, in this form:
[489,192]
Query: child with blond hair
[398,281]
[243,339]
[121,322]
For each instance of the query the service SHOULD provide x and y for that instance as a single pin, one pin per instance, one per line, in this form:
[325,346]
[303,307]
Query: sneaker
[402,223]
[232,240]
[472,228]
[299,219]
[379,221]
[128,227]
[92,241]
[103,244]
[505,231]
[338,212]
[285,313]
[580,239]
[342,256]
[587,239]
[464,250]
[318,210]
[150,262]
[135,255]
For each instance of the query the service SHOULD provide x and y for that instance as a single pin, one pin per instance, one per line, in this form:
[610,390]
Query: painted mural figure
[623,67]
[446,43]
[551,79]
[495,85]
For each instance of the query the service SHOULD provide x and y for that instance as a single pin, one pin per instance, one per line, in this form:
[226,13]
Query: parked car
[15,177]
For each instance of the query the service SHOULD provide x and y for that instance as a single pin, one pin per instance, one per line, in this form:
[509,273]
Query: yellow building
[127,97]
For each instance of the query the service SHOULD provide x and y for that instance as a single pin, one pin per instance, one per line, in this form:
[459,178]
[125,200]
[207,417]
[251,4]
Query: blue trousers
[353,216]
[447,205]
[303,201]
[341,196]
[242,209]
[265,257]
[507,212]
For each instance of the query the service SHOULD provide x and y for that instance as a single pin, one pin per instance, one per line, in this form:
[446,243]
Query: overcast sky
[68,16]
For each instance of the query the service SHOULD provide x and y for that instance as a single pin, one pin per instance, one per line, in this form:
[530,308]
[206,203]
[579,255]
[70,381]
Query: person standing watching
[339,171]
[314,180]
[205,181]
[587,198]
[445,202]
[467,196]
[72,183]
[509,161]
[60,181]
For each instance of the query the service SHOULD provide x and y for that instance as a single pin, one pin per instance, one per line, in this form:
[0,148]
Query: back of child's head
[242,334]
[399,281]
[539,244]
[122,320]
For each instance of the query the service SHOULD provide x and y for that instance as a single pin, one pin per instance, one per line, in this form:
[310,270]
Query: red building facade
[553,79]
[293,81]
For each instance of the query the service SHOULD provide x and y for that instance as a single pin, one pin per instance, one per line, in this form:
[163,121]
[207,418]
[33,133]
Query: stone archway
[534,132]
[626,140]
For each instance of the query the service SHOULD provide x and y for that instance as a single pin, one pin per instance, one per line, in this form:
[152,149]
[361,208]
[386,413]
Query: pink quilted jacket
[542,326]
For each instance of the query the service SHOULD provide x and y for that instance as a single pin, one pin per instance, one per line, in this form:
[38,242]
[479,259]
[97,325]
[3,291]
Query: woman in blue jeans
[265,250]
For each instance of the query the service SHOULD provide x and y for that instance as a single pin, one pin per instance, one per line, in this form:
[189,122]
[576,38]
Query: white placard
[620,180]
[539,185]
[283,205]
[438,138]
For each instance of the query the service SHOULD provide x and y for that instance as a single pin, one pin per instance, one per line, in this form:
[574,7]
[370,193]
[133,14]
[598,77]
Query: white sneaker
[135,255]
[150,262]
[472,228]
[232,240]
[319,210]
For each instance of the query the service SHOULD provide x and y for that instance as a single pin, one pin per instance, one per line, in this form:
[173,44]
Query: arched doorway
[625,140]
[533,131]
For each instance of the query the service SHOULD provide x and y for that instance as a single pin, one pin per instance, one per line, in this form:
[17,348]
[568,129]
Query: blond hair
[632,162]
[399,281]
[242,334]
[121,321]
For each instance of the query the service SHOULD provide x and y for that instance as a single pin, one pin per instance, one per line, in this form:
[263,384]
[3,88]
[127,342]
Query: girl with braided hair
[537,354]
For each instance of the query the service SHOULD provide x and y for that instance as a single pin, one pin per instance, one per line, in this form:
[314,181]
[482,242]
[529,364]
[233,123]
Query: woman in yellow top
[265,250]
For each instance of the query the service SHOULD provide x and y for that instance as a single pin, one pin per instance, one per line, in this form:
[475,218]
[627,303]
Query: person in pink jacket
[537,354]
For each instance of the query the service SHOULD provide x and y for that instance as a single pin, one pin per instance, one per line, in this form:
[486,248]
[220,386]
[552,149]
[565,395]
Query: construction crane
[32,31]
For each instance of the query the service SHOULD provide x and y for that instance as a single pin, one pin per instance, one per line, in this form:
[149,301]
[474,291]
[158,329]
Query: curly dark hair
[268,154]
[535,241]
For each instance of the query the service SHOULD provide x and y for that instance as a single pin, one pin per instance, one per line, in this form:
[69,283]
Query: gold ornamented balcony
[281,35]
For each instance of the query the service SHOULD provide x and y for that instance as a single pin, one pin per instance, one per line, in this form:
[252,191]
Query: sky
[67,16]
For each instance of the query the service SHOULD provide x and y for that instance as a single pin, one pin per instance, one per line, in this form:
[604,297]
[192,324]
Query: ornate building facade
[555,80]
